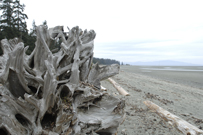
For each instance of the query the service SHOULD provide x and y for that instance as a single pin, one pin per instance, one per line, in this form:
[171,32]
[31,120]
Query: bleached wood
[103,88]
[56,93]
[119,88]
[180,124]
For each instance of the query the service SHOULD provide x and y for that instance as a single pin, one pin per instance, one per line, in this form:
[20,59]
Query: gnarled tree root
[56,93]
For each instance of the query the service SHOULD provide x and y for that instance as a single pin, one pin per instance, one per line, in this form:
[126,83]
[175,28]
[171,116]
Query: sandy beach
[179,92]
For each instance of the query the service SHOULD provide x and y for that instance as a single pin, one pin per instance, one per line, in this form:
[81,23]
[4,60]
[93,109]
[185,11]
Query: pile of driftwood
[56,92]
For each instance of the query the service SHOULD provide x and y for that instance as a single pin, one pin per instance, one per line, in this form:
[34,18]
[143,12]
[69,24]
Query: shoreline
[181,100]
[177,74]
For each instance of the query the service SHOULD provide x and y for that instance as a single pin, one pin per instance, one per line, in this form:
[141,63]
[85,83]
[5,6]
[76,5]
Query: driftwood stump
[56,93]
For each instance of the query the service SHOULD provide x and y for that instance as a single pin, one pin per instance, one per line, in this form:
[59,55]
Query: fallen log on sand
[119,88]
[180,124]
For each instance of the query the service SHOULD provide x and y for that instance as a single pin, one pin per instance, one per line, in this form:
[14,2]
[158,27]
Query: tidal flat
[178,90]
[187,75]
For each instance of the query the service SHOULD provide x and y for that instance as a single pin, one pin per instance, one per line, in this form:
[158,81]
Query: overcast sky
[130,30]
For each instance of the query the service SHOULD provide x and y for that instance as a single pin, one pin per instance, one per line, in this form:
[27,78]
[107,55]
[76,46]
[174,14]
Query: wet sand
[176,93]
[190,76]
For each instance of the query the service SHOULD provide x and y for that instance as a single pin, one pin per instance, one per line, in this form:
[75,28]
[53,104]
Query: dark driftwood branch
[56,93]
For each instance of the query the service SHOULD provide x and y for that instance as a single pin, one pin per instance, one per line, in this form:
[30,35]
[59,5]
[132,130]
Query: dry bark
[180,124]
[56,93]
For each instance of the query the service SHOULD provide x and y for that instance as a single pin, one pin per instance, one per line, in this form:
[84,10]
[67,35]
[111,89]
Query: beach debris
[135,89]
[123,132]
[180,124]
[103,88]
[119,88]
[157,97]
[58,92]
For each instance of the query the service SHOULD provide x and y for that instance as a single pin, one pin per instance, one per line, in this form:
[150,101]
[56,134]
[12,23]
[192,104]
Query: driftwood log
[56,93]
[180,124]
[119,88]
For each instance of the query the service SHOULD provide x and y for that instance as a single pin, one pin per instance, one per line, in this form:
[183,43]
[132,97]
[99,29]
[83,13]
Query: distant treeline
[102,61]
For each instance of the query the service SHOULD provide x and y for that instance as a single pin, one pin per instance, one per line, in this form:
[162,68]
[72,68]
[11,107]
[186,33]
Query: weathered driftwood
[56,93]
[119,88]
[180,124]
[103,88]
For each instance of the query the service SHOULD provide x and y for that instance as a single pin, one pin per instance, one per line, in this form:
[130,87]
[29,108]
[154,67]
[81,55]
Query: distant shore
[187,75]
[170,90]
